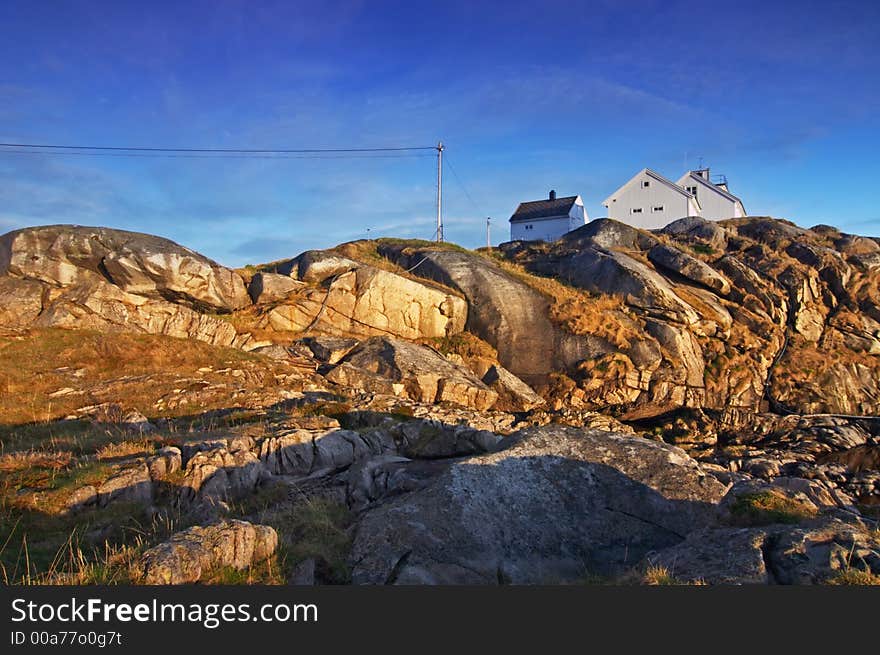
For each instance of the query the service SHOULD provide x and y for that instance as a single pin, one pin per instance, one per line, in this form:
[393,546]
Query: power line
[218,150]
[219,155]
[463,187]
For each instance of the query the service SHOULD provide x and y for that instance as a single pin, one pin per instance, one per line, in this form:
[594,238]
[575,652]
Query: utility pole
[488,237]
[439,191]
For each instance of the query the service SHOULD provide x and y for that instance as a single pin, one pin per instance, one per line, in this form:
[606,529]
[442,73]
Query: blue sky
[783,98]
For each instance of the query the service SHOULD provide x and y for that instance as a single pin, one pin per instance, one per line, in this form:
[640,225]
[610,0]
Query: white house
[650,201]
[547,220]
[716,202]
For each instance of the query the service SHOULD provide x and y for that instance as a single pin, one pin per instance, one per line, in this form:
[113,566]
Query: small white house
[547,220]
[716,202]
[650,201]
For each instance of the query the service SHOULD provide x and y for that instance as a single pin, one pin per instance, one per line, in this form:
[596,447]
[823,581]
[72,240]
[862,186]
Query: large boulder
[555,505]
[503,311]
[271,287]
[689,267]
[302,453]
[221,473]
[695,230]
[819,552]
[139,264]
[360,300]
[515,394]
[94,304]
[21,301]
[608,233]
[604,271]
[196,552]
[131,485]
[386,365]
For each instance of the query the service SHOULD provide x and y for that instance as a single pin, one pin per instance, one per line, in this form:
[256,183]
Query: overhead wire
[218,150]
[463,187]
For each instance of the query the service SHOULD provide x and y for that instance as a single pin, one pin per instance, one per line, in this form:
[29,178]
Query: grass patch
[659,576]
[94,547]
[702,249]
[315,528]
[768,507]
[465,345]
[577,311]
[331,408]
[855,577]
[271,571]
[125,449]
[45,361]
[21,461]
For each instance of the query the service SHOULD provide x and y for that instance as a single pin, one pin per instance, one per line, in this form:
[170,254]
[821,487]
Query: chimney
[552,194]
[704,173]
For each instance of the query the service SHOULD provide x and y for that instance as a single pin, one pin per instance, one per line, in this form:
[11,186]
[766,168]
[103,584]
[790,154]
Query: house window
[646,184]
[692,190]
[636,210]
[657,208]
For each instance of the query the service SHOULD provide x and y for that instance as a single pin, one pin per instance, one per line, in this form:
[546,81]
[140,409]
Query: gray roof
[530,211]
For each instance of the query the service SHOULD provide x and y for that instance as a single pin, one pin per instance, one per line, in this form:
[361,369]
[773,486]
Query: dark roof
[529,211]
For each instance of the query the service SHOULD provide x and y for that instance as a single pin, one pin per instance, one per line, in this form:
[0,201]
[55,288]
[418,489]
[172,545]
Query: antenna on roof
[701,164]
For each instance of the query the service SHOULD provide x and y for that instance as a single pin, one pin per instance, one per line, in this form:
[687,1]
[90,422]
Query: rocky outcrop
[752,306]
[393,366]
[512,392]
[21,301]
[271,287]
[220,473]
[816,553]
[503,311]
[93,304]
[195,553]
[328,349]
[302,453]
[132,485]
[697,231]
[553,502]
[609,234]
[136,263]
[109,280]
[676,261]
[615,273]
[354,299]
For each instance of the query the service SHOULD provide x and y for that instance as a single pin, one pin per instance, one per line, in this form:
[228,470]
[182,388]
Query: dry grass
[20,461]
[655,575]
[853,576]
[142,367]
[68,556]
[124,449]
[315,528]
[253,320]
[465,345]
[768,507]
[605,316]
[659,576]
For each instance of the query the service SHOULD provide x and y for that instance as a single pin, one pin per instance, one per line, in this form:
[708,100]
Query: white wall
[540,229]
[657,194]
[714,205]
[577,217]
